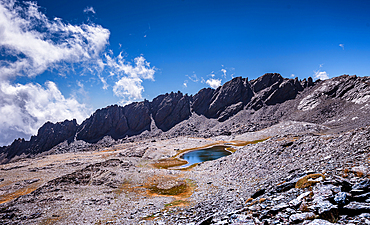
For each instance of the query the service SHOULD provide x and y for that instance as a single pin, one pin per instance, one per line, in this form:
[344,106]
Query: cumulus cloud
[214,83]
[129,86]
[32,51]
[24,108]
[30,44]
[322,75]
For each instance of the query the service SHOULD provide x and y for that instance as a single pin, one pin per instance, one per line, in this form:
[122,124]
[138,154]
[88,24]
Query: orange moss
[170,162]
[305,182]
[23,191]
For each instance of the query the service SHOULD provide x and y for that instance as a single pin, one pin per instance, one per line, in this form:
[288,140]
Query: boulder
[299,217]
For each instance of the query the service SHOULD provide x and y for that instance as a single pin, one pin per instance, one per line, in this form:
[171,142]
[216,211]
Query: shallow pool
[205,154]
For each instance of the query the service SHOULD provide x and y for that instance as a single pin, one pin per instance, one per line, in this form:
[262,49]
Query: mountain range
[238,106]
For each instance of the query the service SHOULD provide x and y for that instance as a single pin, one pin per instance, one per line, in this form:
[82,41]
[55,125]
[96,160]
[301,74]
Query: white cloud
[35,51]
[130,76]
[293,75]
[89,9]
[214,83]
[34,44]
[24,108]
[193,77]
[185,84]
[342,46]
[128,86]
[322,75]
[224,72]
[103,80]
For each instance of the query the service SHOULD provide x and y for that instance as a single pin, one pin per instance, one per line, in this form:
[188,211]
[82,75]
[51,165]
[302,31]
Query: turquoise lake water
[205,154]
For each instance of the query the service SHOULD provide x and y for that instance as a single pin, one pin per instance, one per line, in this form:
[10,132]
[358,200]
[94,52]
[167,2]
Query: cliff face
[48,136]
[168,110]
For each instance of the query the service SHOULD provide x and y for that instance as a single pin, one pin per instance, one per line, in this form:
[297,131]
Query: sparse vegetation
[170,162]
[180,188]
[177,203]
[307,182]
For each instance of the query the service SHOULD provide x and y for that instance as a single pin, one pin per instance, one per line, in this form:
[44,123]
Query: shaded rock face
[235,91]
[170,109]
[272,88]
[116,121]
[51,134]
[239,93]
[202,100]
[108,121]
[138,117]
[48,136]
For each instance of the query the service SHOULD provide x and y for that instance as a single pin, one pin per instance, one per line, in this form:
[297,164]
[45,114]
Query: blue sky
[65,59]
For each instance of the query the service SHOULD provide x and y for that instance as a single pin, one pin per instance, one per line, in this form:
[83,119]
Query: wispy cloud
[193,77]
[89,9]
[214,83]
[104,82]
[342,46]
[224,72]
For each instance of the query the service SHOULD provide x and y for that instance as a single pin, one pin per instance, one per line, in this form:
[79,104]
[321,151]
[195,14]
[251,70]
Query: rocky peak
[232,92]
[49,135]
[110,120]
[170,109]
[265,81]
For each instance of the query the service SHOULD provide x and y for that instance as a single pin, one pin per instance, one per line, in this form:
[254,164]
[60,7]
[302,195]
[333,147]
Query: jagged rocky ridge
[260,103]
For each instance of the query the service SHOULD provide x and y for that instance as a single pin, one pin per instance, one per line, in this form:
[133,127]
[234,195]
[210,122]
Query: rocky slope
[340,103]
[300,156]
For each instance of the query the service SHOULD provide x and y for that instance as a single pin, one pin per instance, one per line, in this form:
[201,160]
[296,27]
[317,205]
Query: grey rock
[108,121]
[357,207]
[279,207]
[299,217]
[361,198]
[342,198]
[319,222]
[296,202]
[363,185]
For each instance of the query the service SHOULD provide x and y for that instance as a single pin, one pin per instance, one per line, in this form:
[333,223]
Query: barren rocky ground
[110,186]
[304,160]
